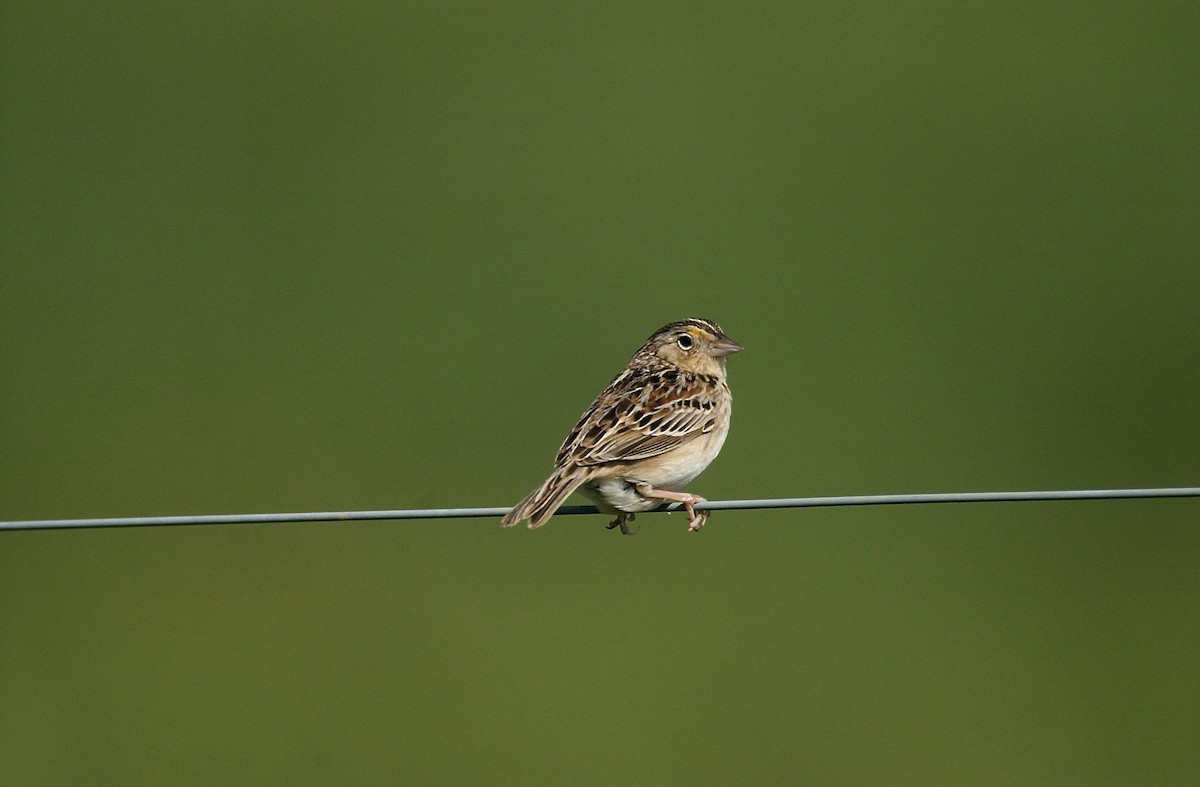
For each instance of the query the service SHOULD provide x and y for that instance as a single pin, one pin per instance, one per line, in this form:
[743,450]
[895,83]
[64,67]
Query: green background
[287,257]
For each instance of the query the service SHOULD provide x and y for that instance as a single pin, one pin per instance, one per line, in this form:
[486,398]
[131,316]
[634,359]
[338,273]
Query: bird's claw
[696,519]
[620,522]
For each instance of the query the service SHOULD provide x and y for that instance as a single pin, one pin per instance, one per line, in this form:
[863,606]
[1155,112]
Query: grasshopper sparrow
[648,434]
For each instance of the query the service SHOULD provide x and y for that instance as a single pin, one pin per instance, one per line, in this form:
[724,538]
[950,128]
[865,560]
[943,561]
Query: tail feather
[542,502]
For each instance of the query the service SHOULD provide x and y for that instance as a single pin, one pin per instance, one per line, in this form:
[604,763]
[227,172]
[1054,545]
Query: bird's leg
[620,522]
[695,518]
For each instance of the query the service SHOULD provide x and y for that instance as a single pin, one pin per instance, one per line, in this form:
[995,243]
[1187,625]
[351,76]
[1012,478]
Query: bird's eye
[685,341]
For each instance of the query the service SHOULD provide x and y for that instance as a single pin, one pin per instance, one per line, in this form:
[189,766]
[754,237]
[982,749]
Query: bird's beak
[723,346]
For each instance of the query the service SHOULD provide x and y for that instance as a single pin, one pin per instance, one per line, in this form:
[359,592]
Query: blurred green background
[287,257]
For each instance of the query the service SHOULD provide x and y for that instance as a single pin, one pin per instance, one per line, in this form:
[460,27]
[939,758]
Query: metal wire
[712,505]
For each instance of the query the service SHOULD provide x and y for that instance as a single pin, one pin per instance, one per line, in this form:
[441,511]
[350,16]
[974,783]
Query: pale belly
[616,490]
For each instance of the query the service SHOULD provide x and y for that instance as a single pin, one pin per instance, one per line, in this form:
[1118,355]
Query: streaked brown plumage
[655,428]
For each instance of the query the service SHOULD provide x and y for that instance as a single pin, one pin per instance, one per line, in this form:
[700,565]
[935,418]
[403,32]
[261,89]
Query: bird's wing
[642,414]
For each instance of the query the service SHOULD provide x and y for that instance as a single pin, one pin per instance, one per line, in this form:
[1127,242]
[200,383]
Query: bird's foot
[620,522]
[695,518]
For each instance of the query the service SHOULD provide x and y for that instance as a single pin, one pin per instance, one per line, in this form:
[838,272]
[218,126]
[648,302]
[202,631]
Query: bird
[649,433]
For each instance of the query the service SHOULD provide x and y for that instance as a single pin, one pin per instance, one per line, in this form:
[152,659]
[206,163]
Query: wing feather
[640,415]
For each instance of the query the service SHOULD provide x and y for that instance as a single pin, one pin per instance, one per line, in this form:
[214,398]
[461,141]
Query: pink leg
[695,518]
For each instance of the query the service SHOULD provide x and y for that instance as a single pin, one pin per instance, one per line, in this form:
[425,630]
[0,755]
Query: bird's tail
[542,502]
